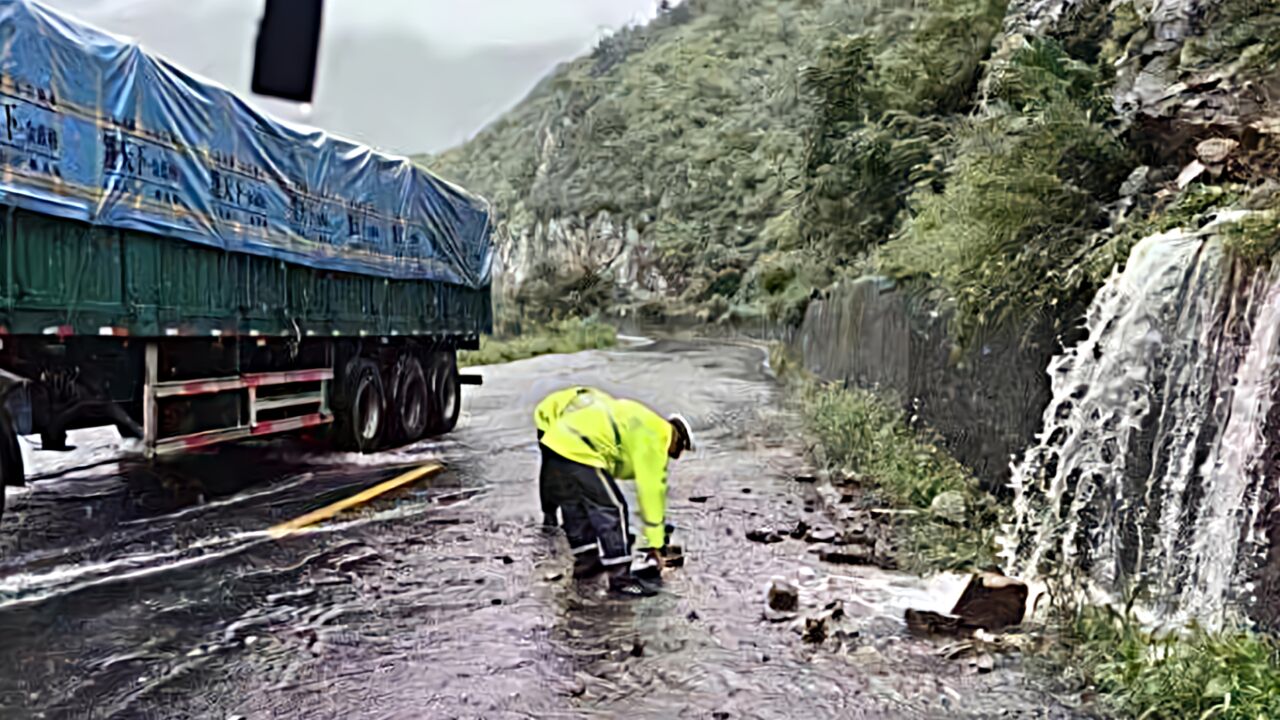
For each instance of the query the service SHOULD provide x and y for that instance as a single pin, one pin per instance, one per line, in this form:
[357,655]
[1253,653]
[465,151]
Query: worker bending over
[585,450]
[546,413]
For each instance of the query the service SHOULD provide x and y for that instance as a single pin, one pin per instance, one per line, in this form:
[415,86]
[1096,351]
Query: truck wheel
[447,392]
[11,467]
[411,399]
[360,419]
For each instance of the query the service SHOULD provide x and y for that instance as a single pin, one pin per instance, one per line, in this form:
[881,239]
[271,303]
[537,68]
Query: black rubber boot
[587,565]
[624,583]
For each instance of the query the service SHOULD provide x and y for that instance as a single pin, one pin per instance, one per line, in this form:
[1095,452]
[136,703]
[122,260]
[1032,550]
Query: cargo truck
[180,266]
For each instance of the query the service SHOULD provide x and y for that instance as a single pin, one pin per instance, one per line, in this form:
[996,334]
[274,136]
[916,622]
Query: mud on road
[154,592]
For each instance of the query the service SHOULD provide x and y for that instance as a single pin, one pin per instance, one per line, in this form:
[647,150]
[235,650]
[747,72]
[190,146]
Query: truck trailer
[191,271]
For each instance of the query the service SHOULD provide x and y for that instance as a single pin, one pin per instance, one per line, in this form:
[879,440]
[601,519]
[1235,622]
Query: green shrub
[788,307]
[1241,33]
[934,69]
[1255,238]
[775,278]
[725,283]
[559,294]
[1192,205]
[1021,198]
[1231,674]
[862,433]
[878,119]
[1190,209]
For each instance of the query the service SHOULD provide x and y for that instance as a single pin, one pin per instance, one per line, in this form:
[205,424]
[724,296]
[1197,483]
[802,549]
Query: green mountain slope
[734,155]
[689,132]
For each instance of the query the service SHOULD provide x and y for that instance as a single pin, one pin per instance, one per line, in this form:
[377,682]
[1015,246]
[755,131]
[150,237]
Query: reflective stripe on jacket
[627,440]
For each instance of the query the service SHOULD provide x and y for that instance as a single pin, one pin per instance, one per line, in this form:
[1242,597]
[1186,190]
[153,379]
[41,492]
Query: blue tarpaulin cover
[96,129]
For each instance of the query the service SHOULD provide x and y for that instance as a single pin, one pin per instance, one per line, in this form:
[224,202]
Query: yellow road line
[360,498]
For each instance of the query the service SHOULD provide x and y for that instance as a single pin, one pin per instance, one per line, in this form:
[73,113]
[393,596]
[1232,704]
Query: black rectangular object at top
[285,56]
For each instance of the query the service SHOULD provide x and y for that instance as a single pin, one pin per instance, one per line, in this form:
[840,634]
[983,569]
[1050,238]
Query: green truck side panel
[62,273]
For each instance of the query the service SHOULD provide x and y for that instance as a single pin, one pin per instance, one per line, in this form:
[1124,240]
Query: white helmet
[684,430]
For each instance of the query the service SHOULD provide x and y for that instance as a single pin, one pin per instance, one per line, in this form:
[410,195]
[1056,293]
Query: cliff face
[579,244]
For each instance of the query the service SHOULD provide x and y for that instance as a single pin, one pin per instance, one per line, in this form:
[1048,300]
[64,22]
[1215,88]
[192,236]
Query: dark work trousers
[549,506]
[594,512]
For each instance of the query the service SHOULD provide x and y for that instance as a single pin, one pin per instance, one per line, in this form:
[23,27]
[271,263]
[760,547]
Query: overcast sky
[409,76]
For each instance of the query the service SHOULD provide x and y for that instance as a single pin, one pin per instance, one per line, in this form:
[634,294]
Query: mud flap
[13,398]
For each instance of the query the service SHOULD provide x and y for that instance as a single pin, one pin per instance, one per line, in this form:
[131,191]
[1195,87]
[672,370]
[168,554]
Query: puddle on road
[209,532]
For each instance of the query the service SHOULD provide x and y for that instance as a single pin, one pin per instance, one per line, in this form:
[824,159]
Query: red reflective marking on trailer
[196,388]
[195,442]
[270,426]
[294,377]
[65,331]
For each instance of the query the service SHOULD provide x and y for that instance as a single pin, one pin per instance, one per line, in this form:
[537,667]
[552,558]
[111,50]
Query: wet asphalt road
[136,592]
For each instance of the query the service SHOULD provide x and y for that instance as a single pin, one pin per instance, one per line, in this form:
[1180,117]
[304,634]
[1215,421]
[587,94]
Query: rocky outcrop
[1186,70]
[573,246]
[1198,65]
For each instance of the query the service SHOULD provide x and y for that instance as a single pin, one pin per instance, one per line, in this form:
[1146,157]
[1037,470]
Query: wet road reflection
[129,591]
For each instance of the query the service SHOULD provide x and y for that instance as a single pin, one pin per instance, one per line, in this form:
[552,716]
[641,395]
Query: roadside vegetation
[564,336]
[950,522]
[1231,674]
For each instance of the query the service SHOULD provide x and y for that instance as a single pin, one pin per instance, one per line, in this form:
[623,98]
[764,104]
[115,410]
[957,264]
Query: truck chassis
[185,346]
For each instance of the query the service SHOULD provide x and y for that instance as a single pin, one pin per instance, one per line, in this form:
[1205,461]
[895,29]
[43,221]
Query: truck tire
[411,399]
[360,418]
[446,392]
[11,467]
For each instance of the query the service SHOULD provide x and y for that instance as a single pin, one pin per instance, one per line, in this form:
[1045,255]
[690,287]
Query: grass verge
[565,336]
[858,432]
[1231,674]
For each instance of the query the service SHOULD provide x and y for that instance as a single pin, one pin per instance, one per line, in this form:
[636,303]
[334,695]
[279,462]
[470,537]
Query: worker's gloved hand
[655,556]
[649,565]
[672,556]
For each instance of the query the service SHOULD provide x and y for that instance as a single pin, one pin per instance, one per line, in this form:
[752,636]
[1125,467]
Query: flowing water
[1155,466]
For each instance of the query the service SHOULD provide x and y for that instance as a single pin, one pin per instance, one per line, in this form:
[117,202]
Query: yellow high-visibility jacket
[627,440]
[557,403]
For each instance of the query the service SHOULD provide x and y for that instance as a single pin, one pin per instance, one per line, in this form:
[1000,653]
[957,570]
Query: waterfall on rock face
[1153,468]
